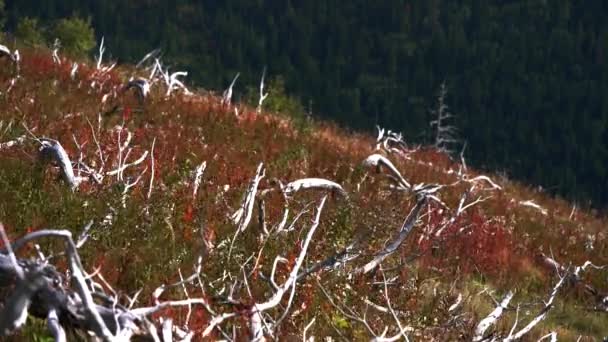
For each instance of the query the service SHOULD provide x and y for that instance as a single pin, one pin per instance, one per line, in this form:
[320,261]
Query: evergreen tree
[76,35]
[29,32]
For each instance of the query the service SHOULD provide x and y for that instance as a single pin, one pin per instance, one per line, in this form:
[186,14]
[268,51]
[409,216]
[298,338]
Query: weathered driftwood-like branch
[99,57]
[406,228]
[74,70]
[462,207]
[6,52]
[55,51]
[349,313]
[380,161]
[541,315]
[38,279]
[119,171]
[402,329]
[151,169]
[227,96]
[487,179]
[565,277]
[243,215]
[17,141]
[51,150]
[141,86]
[533,205]
[45,293]
[345,255]
[152,54]
[174,83]
[257,325]
[391,142]
[491,319]
[574,278]
[263,95]
[313,183]
[552,336]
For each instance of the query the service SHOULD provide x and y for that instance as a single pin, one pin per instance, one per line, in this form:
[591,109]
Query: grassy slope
[497,251]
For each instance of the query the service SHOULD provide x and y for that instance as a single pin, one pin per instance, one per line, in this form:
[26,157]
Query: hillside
[280,228]
[526,79]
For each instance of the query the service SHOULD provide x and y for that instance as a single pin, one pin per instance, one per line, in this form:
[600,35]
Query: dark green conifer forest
[526,80]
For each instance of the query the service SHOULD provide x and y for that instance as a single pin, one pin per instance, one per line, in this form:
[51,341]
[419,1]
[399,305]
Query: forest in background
[525,79]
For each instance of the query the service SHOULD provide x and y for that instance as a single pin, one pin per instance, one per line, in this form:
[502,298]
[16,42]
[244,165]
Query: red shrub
[473,243]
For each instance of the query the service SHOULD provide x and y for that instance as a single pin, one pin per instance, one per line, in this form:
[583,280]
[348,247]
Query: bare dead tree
[227,95]
[55,51]
[101,69]
[152,54]
[445,133]
[263,95]
[99,56]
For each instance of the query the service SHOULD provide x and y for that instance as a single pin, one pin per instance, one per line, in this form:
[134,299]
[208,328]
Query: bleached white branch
[259,308]
[99,56]
[74,70]
[445,134]
[173,83]
[456,303]
[17,141]
[216,321]
[51,150]
[406,228]
[227,96]
[390,307]
[552,336]
[387,139]
[263,95]
[533,205]
[152,54]
[76,270]
[6,52]
[491,319]
[304,339]
[379,161]
[242,216]
[55,51]
[313,183]
[129,185]
[152,169]
[198,175]
[123,167]
[52,321]
[141,86]
[541,316]
[487,179]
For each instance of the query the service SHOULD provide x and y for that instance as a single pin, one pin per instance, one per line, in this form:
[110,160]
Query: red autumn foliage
[494,238]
